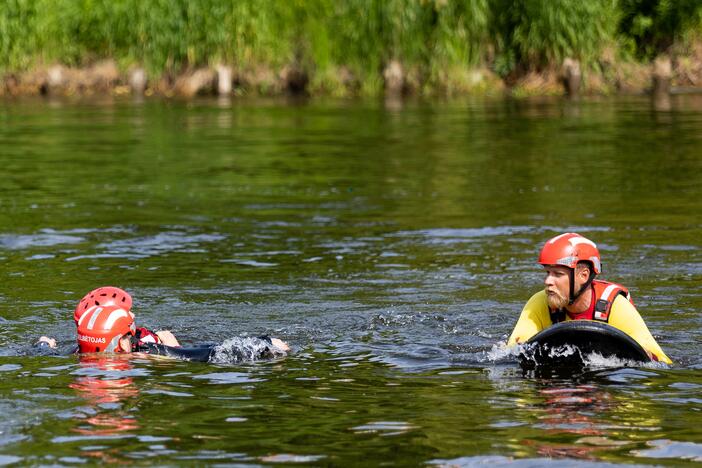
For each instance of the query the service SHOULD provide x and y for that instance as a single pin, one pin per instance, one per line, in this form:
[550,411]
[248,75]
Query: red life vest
[604,295]
[143,336]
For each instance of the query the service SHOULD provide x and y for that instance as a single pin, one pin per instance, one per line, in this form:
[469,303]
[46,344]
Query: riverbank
[105,77]
[351,48]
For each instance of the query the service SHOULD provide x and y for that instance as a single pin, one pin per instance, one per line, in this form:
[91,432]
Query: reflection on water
[585,415]
[104,382]
[393,246]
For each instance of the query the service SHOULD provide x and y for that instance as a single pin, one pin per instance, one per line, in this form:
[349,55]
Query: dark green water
[392,247]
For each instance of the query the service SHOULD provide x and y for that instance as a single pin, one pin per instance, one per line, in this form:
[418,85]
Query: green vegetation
[652,26]
[342,44]
[533,34]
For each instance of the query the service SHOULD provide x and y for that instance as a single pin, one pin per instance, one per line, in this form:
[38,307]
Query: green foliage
[171,34]
[426,34]
[654,25]
[534,33]
[18,20]
[431,38]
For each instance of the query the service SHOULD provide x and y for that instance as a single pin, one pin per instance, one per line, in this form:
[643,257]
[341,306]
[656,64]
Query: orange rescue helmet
[104,296]
[101,327]
[568,250]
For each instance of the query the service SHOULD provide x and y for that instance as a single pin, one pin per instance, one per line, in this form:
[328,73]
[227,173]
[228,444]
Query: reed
[435,40]
[532,34]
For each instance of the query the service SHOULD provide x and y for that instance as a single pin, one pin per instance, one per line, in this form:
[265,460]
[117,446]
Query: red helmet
[101,327]
[568,250]
[104,296]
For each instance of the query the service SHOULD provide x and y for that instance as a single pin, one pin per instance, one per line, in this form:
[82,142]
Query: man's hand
[50,342]
[280,344]
[167,338]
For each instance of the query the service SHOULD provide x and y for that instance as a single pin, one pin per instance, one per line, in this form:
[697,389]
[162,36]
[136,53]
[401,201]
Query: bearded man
[571,292]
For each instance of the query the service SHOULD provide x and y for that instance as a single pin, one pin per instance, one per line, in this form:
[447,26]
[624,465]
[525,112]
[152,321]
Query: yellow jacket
[623,315]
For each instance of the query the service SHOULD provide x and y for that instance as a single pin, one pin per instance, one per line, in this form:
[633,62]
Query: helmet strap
[112,346]
[574,296]
[134,340]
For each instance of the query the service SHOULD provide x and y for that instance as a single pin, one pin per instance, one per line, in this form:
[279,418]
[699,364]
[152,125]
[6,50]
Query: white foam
[243,349]
[500,352]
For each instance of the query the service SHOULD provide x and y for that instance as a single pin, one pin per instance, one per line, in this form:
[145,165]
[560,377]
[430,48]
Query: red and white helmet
[101,327]
[104,296]
[568,250]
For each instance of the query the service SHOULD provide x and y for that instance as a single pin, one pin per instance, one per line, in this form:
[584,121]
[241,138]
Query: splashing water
[569,353]
[499,353]
[243,349]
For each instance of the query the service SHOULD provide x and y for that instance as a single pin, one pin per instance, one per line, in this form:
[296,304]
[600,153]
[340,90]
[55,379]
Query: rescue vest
[142,336]
[605,294]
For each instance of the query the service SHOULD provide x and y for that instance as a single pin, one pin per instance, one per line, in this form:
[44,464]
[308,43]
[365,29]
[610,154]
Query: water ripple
[664,448]
[150,246]
[228,378]
[45,239]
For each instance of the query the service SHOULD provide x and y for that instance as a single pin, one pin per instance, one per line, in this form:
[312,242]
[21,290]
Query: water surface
[393,247]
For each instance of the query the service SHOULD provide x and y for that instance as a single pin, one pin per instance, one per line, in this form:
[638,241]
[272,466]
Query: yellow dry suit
[622,314]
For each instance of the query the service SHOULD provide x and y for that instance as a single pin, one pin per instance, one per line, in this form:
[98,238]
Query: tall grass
[429,37]
[532,34]
[18,33]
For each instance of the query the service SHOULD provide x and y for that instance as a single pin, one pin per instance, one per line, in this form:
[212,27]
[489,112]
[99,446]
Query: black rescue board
[201,353]
[547,348]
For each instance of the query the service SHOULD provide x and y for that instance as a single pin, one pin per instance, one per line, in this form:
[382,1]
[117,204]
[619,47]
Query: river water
[392,246]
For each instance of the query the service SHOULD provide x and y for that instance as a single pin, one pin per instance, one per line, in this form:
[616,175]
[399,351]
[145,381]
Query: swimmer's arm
[533,319]
[167,338]
[274,347]
[625,317]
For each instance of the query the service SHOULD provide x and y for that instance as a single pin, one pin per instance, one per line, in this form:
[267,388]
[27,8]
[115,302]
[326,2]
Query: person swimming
[105,324]
[571,291]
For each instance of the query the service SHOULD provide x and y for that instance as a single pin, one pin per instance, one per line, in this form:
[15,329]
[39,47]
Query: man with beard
[571,292]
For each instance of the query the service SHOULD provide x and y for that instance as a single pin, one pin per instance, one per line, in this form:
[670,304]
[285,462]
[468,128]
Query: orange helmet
[568,250]
[101,327]
[104,296]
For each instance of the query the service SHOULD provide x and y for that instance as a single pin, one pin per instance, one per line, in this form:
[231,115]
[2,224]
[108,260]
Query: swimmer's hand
[167,338]
[45,341]
[280,344]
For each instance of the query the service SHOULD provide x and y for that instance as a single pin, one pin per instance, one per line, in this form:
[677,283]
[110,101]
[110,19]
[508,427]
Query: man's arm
[167,338]
[280,344]
[626,318]
[533,319]
[232,350]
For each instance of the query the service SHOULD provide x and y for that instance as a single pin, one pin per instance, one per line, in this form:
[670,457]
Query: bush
[654,25]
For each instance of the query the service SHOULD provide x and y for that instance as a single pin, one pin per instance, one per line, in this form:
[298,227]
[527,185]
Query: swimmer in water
[571,292]
[105,323]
